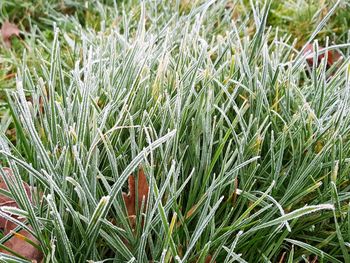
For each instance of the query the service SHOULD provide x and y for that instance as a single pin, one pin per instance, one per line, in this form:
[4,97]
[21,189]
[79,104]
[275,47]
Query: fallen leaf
[10,76]
[7,31]
[18,242]
[5,200]
[332,55]
[208,259]
[141,192]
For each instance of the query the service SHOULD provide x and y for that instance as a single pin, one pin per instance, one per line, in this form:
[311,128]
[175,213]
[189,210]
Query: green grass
[246,149]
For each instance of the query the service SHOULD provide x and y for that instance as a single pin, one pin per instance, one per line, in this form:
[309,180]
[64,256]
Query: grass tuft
[244,144]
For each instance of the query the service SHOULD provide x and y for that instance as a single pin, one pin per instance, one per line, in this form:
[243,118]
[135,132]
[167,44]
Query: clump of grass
[300,18]
[246,154]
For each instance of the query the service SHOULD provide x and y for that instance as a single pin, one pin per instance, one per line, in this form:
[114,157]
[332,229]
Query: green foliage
[245,146]
[299,18]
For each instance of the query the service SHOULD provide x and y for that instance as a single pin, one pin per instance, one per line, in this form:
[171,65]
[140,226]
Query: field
[175,131]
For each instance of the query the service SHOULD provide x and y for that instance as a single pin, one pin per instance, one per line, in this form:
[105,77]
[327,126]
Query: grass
[245,146]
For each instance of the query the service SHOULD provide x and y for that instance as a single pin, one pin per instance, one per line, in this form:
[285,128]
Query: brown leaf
[17,242]
[332,55]
[40,102]
[7,31]
[208,259]
[234,198]
[282,257]
[130,198]
[5,200]
[10,75]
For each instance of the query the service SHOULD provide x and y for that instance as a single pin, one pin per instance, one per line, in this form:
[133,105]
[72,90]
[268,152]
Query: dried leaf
[315,260]
[40,101]
[282,259]
[130,198]
[208,259]
[332,55]
[10,76]
[7,31]
[19,241]
[234,198]
[5,200]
